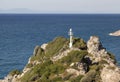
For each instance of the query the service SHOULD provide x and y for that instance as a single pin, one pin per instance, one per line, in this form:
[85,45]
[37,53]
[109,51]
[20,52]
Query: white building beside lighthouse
[71,38]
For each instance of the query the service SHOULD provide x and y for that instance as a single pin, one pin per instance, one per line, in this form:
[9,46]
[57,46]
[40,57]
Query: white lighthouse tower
[71,38]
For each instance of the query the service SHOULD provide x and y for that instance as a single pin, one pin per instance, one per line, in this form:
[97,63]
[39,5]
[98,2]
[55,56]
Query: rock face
[91,64]
[94,45]
[117,33]
[36,50]
[110,72]
[10,78]
[95,48]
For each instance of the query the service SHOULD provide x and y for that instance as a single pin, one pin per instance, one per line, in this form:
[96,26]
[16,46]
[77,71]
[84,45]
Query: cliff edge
[56,62]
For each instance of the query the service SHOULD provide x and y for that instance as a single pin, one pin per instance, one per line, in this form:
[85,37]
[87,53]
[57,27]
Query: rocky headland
[116,33]
[56,62]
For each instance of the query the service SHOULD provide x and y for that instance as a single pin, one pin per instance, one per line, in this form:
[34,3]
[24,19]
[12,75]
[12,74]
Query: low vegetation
[76,79]
[89,77]
[59,43]
[73,56]
[46,71]
[112,56]
[53,47]
[79,43]
[49,71]
[15,72]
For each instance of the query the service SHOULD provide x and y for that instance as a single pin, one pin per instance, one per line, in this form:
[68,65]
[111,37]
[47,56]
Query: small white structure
[71,38]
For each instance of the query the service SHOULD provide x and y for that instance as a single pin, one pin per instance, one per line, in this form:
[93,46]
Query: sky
[60,6]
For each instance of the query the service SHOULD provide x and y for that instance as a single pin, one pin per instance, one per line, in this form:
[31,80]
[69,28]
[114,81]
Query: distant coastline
[116,33]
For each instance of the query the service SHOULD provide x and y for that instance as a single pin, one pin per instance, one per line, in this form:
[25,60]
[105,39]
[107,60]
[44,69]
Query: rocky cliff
[56,62]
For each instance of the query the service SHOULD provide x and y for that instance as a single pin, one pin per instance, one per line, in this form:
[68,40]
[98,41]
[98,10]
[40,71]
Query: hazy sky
[60,6]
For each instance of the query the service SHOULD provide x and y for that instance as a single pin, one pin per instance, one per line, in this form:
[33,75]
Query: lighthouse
[71,38]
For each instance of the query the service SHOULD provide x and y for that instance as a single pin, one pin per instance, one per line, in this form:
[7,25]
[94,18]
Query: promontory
[55,61]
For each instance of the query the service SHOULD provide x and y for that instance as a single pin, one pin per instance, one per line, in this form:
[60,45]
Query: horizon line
[61,13]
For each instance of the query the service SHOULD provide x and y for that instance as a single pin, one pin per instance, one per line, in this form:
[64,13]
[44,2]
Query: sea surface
[20,33]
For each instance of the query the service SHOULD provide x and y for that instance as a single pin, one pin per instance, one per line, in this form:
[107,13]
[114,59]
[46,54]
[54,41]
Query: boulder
[37,51]
[43,46]
[110,74]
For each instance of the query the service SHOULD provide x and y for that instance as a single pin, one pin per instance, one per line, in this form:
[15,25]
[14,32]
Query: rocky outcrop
[116,33]
[39,49]
[110,74]
[82,68]
[94,46]
[96,49]
[43,46]
[110,71]
[10,78]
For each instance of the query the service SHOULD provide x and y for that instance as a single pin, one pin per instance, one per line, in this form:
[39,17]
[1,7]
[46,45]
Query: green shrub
[52,48]
[57,68]
[96,67]
[67,77]
[55,46]
[76,79]
[89,77]
[36,72]
[56,79]
[73,56]
[112,56]
[29,65]
[79,43]
[93,67]
[15,72]
[33,78]
[28,75]
[43,71]
[39,56]
[103,62]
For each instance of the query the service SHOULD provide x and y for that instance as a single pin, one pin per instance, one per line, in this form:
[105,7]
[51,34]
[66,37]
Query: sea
[20,33]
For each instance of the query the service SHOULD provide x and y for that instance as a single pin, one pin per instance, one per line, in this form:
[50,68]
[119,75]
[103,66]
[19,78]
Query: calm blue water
[19,34]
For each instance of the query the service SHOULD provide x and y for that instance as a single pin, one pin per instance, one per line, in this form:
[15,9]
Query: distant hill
[17,10]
